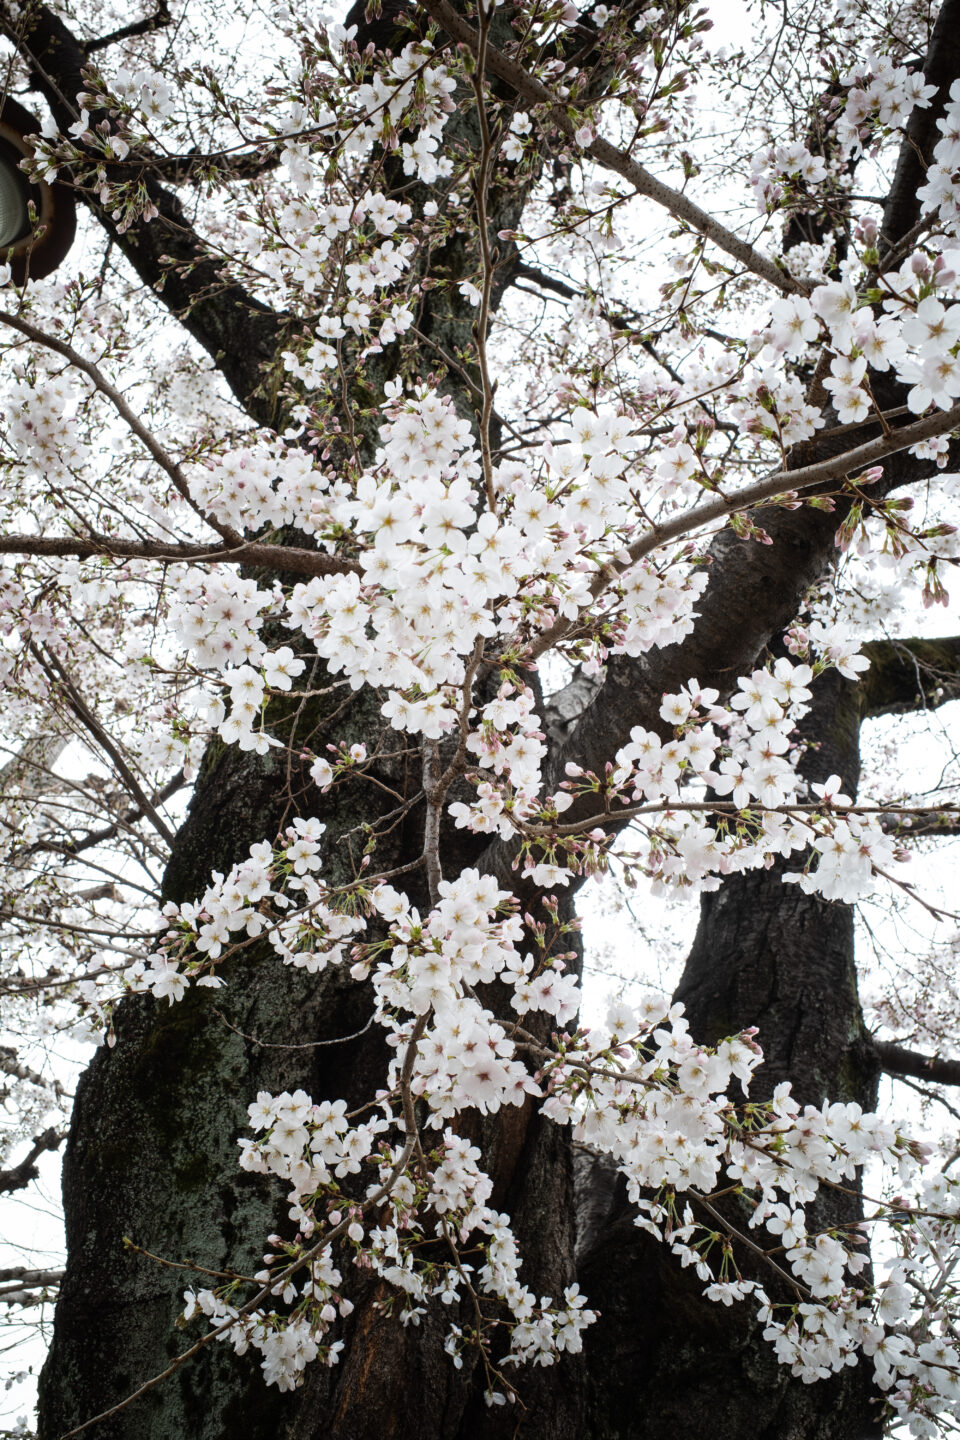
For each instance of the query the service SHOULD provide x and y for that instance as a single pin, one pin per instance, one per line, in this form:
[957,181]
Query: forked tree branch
[57,672]
[108,832]
[673,201]
[146,26]
[909,675]
[129,417]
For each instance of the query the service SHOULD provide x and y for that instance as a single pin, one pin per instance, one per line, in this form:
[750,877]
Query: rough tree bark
[152,1150]
[765,954]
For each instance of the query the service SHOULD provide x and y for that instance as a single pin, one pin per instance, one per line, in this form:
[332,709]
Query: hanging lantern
[32,251]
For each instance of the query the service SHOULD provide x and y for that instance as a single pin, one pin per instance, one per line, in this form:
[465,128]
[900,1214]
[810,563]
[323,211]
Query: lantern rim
[29,256]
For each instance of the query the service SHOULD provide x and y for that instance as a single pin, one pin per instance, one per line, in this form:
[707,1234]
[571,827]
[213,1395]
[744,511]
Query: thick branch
[269,557]
[29,1287]
[146,26]
[910,675]
[898,1060]
[19,1176]
[10,1065]
[937,827]
[191,167]
[31,768]
[30,1277]
[239,332]
[565,707]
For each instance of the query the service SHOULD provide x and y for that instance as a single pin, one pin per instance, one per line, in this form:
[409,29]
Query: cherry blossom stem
[735,1234]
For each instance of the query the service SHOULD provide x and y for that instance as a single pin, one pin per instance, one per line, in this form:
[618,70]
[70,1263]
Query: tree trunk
[665,1362]
[152,1158]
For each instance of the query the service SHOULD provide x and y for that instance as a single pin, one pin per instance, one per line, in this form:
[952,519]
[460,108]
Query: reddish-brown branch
[278,558]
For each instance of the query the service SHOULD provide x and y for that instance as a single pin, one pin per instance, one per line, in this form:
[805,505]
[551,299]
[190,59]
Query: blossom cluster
[744,750]
[915,337]
[941,190]
[463,1060]
[641,1090]
[879,93]
[439,569]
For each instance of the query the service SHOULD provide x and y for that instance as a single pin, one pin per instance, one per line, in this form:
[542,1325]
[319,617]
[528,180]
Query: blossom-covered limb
[797,481]
[298,1264]
[157,452]
[941,68]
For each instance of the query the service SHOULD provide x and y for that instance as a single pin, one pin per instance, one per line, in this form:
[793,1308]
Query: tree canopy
[476,459]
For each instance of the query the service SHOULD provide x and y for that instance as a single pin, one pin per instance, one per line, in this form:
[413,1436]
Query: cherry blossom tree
[478,457]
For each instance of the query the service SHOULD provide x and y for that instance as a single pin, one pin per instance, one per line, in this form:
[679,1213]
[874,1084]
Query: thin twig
[306,1045]
[87,718]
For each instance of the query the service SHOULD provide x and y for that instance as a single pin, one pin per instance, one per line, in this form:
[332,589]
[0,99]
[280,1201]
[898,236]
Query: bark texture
[152,1156]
